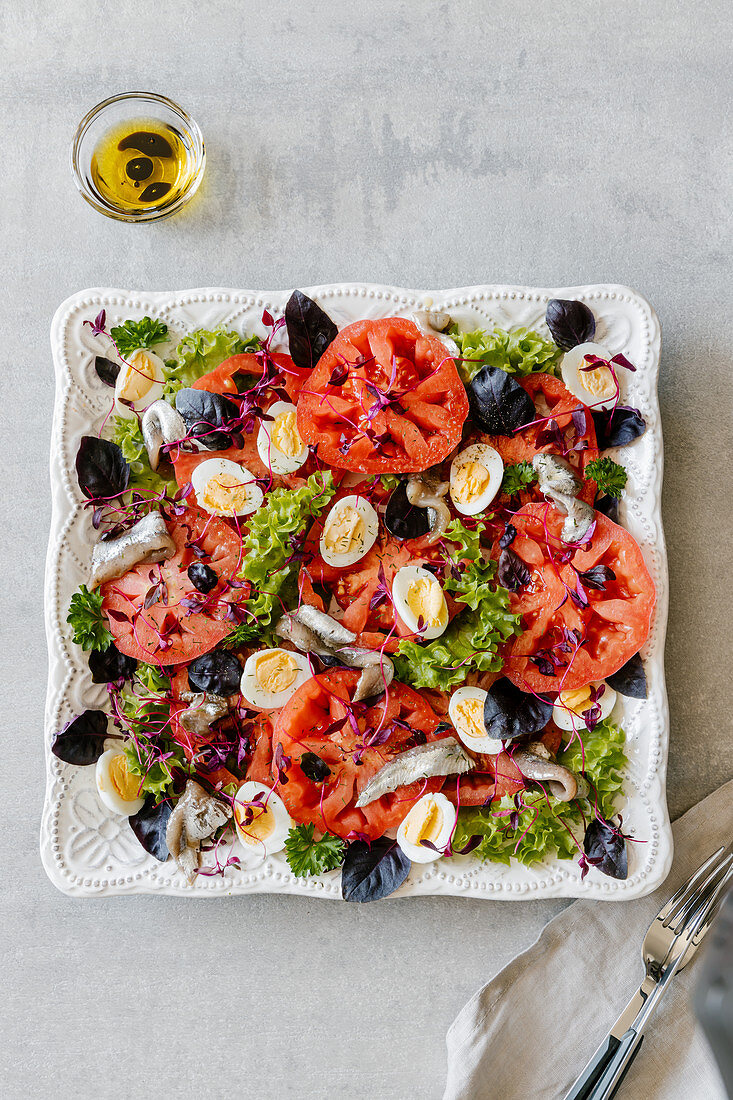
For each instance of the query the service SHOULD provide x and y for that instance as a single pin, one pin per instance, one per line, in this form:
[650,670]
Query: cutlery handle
[613,1074]
[583,1087]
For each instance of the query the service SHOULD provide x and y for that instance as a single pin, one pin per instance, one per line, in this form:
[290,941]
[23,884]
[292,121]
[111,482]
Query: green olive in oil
[141,165]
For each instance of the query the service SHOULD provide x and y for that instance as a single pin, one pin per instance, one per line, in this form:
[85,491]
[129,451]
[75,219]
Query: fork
[670,943]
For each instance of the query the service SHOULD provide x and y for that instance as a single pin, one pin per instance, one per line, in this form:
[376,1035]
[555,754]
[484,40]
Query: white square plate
[87,852]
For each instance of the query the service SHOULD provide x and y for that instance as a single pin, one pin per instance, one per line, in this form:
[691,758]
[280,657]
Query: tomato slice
[320,719]
[552,399]
[395,403]
[167,632]
[609,630]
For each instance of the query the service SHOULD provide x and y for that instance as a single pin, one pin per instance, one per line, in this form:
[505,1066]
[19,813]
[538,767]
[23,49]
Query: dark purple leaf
[267,319]
[210,418]
[617,427]
[81,741]
[597,577]
[605,848]
[512,571]
[580,423]
[98,324]
[570,323]
[310,330]
[313,767]
[339,374]
[551,436]
[509,535]
[620,360]
[218,673]
[117,616]
[472,843]
[107,370]
[510,713]
[155,594]
[149,826]
[108,665]
[281,763]
[578,595]
[607,506]
[373,871]
[498,403]
[630,680]
[101,468]
[544,664]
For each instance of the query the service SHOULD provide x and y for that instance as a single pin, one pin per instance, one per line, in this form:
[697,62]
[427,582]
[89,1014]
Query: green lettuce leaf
[267,548]
[519,351]
[472,640]
[200,352]
[545,826]
[127,435]
[145,718]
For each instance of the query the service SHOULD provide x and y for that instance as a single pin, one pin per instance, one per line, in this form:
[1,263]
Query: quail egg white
[596,387]
[475,478]
[570,706]
[117,787]
[272,676]
[349,531]
[261,819]
[466,712]
[139,382]
[432,818]
[419,601]
[224,488]
[278,442]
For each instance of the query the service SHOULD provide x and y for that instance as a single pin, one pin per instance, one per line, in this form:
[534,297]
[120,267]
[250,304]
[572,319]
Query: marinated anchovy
[427,490]
[312,631]
[445,757]
[579,517]
[560,781]
[202,711]
[147,541]
[329,630]
[196,817]
[555,475]
[161,423]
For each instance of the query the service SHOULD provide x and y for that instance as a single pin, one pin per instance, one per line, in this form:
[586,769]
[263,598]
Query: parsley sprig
[517,476]
[608,475]
[132,335]
[308,856]
[87,619]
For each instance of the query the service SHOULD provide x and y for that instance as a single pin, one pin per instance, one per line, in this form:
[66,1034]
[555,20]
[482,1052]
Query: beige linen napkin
[530,1031]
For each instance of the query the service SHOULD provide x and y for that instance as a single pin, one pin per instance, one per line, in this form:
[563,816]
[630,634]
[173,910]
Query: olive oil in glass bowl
[138,157]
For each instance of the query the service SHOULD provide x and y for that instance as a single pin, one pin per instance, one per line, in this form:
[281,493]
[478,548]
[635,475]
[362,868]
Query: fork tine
[703,892]
[689,888]
[708,908]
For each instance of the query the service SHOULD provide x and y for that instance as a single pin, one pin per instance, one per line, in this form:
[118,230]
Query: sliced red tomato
[499,776]
[238,368]
[552,399]
[167,632]
[607,632]
[320,719]
[384,397]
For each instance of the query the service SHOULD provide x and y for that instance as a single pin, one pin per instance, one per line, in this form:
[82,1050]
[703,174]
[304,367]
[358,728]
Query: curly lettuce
[145,717]
[127,435]
[202,351]
[471,642]
[543,826]
[268,550]
[519,351]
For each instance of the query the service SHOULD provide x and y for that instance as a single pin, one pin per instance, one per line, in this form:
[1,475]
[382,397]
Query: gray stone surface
[415,143]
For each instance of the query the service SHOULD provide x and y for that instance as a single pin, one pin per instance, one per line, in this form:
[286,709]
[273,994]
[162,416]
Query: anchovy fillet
[312,631]
[559,483]
[197,816]
[201,712]
[147,541]
[445,757]
[161,423]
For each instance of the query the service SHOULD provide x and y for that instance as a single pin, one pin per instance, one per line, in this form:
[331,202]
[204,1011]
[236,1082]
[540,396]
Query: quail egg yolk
[126,785]
[345,532]
[469,482]
[275,672]
[577,701]
[469,715]
[425,601]
[256,822]
[284,434]
[425,825]
[599,382]
[139,377]
[225,493]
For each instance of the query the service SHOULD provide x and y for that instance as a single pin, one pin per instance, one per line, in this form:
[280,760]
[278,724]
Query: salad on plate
[360,597]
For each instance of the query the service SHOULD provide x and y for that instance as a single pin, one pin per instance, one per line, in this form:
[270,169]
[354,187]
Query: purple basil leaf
[607,506]
[510,713]
[498,403]
[512,571]
[509,535]
[149,825]
[597,577]
[117,616]
[205,413]
[81,741]
[471,843]
[580,423]
[620,360]
[101,468]
[106,370]
[630,680]
[310,330]
[339,374]
[373,871]
[617,427]
[544,664]
[570,323]
[108,665]
[606,849]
